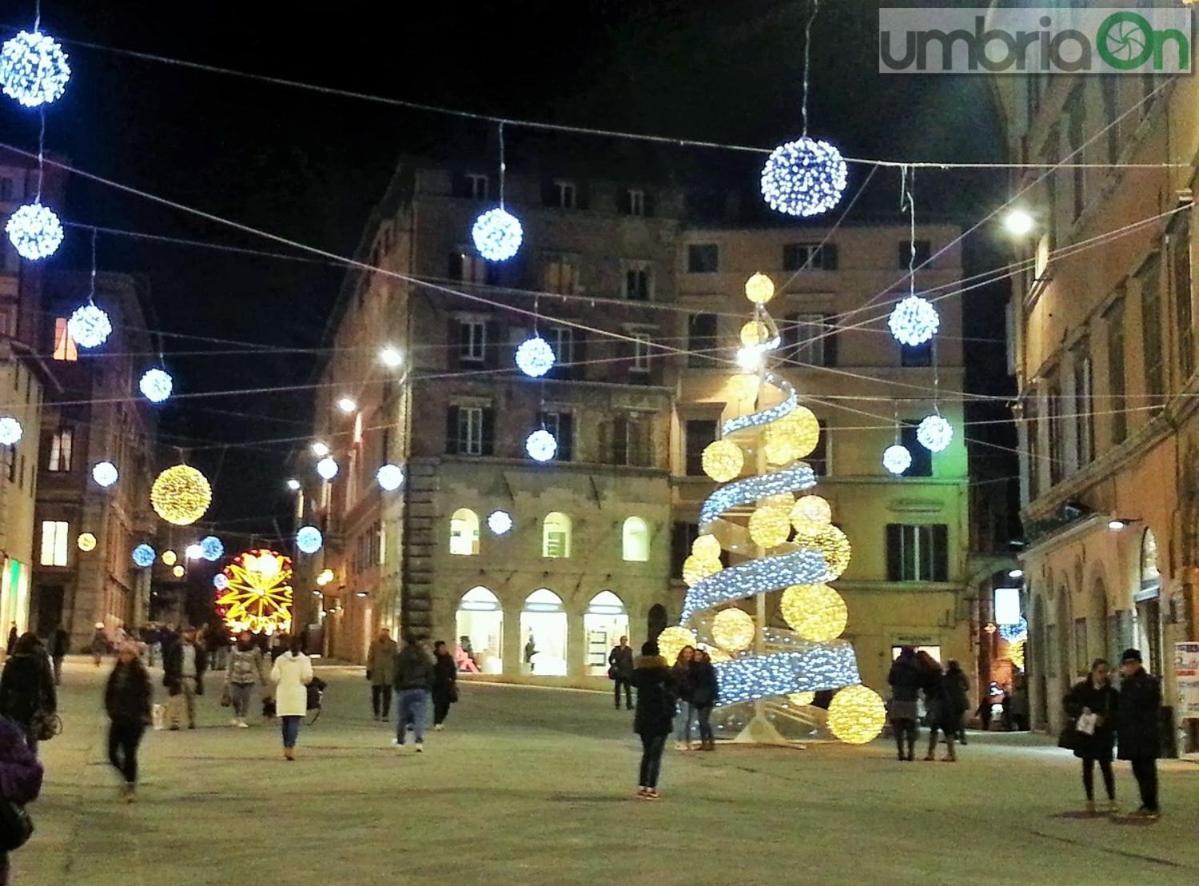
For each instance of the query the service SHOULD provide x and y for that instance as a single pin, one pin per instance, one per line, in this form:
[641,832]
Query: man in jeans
[1137,718]
[413,681]
[620,669]
[183,673]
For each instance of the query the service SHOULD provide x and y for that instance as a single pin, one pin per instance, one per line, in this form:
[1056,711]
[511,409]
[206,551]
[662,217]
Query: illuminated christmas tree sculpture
[779,544]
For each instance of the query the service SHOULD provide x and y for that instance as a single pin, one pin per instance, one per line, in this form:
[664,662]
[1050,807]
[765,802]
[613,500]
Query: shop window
[555,536]
[635,543]
[464,533]
[543,634]
[605,622]
[480,632]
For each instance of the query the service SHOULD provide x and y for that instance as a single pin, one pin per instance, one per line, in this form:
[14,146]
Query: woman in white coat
[291,675]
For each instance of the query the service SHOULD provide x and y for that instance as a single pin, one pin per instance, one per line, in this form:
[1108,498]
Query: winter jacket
[60,643]
[1137,716]
[445,673]
[655,695]
[20,774]
[172,666]
[956,687]
[27,686]
[245,666]
[705,688]
[681,677]
[905,680]
[128,694]
[1102,700]
[620,662]
[291,675]
[381,661]
[413,669]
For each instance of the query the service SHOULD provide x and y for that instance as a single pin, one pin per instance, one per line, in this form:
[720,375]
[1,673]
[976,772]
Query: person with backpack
[291,674]
[654,715]
[1095,700]
[27,693]
[127,697]
[413,680]
[20,783]
[246,669]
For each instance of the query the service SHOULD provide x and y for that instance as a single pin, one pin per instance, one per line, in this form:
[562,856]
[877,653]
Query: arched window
[635,540]
[1151,577]
[543,634]
[480,632]
[555,535]
[464,533]
[604,623]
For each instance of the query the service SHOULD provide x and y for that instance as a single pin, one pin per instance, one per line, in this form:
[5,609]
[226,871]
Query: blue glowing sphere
[33,69]
[914,321]
[35,231]
[220,582]
[804,177]
[497,234]
[89,326]
[143,556]
[535,357]
[309,540]
[211,548]
[1014,633]
[156,385]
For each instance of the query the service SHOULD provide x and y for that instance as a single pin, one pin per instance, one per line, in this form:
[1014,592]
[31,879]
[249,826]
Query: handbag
[1069,737]
[1086,723]
[16,827]
[226,697]
[453,692]
[45,726]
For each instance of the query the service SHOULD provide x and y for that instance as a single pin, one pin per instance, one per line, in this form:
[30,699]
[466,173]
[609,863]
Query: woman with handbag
[127,699]
[245,670]
[27,694]
[291,675]
[445,683]
[1090,731]
[20,783]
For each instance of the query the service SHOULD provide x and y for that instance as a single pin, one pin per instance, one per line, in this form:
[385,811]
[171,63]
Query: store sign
[1186,672]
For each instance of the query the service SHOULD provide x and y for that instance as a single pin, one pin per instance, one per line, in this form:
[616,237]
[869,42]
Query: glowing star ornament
[105,473]
[156,385]
[309,540]
[770,526]
[497,234]
[257,592]
[914,321]
[541,445]
[211,548]
[535,357]
[143,556]
[499,522]
[10,431]
[722,460]
[89,326]
[390,477]
[815,612]
[733,630]
[86,542]
[934,433]
[33,69]
[897,459]
[759,289]
[180,495]
[856,714]
[35,231]
[672,640]
[805,177]
[327,468]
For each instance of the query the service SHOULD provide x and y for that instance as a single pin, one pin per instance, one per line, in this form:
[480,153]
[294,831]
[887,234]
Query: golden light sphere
[733,630]
[800,699]
[723,460]
[86,542]
[169,558]
[718,655]
[793,436]
[178,572]
[831,542]
[812,510]
[856,714]
[781,500]
[755,333]
[707,547]
[696,568]
[815,612]
[759,289]
[180,495]
[672,640]
[770,526]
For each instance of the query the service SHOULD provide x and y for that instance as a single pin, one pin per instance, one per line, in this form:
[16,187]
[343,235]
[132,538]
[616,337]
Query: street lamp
[293,484]
[391,357]
[320,448]
[347,405]
[1018,222]
[1015,573]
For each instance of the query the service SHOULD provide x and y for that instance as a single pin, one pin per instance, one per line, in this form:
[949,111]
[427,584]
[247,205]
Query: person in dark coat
[27,686]
[20,775]
[654,714]
[681,675]
[940,707]
[957,689]
[413,680]
[705,692]
[620,669]
[13,636]
[1095,695]
[127,699]
[445,683]
[183,667]
[60,645]
[905,680]
[1137,717]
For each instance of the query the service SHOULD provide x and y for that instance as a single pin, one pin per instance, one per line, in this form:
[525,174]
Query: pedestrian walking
[620,672]
[1015,705]
[27,693]
[413,679]
[291,674]
[654,714]
[380,671]
[60,645]
[1091,707]
[246,668]
[705,692]
[216,643]
[1137,716]
[681,675]
[127,698]
[940,706]
[445,683]
[20,776]
[903,711]
[530,652]
[99,644]
[13,636]
[957,687]
[183,669]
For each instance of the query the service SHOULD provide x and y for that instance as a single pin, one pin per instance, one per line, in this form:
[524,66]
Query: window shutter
[583,195]
[579,370]
[565,436]
[461,185]
[605,441]
[549,192]
[626,202]
[830,334]
[940,540]
[648,204]
[454,265]
[491,273]
[488,431]
[453,338]
[828,256]
[491,347]
[451,430]
[894,553]
[620,440]
[924,542]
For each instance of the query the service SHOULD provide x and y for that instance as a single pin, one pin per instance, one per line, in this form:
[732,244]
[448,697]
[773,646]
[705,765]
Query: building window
[1180,273]
[701,339]
[634,202]
[638,281]
[635,540]
[472,341]
[916,355]
[477,185]
[809,256]
[1114,317]
[1084,410]
[464,533]
[1149,278]
[1076,120]
[562,340]
[1057,437]
[699,433]
[567,195]
[60,450]
[922,459]
[682,537]
[54,542]
[561,425]
[820,460]
[703,258]
[562,274]
[64,345]
[469,430]
[808,339]
[555,536]
[641,349]
[917,252]
[917,553]
[630,443]
[468,267]
[6,188]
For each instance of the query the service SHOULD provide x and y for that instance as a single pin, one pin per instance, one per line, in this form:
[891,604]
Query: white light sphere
[105,473]
[320,448]
[156,385]
[897,459]
[89,326]
[309,539]
[211,548]
[1018,222]
[327,468]
[347,405]
[293,484]
[35,231]
[535,357]
[541,445]
[10,431]
[391,357]
[497,234]
[193,552]
[390,477]
[499,522]
[33,68]
[934,433]
[220,581]
[804,177]
[914,321]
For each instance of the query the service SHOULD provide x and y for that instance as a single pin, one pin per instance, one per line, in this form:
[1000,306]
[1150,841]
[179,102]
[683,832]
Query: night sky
[309,167]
